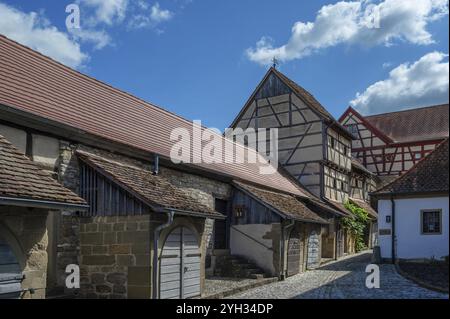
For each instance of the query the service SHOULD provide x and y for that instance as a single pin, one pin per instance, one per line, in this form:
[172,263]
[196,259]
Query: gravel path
[342,279]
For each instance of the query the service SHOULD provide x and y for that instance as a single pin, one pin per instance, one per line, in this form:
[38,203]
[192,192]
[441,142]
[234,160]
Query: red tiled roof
[20,178]
[285,204]
[419,124]
[429,175]
[38,85]
[155,190]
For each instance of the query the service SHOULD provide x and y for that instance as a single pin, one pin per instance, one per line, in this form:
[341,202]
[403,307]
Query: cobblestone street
[342,279]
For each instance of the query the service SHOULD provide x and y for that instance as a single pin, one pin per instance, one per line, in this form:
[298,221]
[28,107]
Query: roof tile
[154,189]
[38,85]
[286,204]
[419,124]
[21,178]
[429,175]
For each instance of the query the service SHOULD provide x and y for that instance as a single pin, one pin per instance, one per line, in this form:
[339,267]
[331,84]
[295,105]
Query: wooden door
[294,253]
[220,226]
[180,265]
[340,242]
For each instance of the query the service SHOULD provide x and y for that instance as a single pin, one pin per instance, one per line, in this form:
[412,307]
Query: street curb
[418,281]
[233,291]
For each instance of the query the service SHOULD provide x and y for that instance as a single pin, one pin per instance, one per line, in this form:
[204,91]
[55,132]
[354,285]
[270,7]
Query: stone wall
[205,190]
[116,256]
[64,245]
[24,229]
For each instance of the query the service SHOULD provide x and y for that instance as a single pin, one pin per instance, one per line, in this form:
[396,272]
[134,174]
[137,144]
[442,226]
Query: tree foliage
[356,224]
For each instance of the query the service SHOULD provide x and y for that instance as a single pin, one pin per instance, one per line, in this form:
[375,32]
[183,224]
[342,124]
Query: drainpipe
[282,270]
[156,165]
[393,228]
[155,252]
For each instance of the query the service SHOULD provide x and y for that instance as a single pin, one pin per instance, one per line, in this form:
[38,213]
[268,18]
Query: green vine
[356,224]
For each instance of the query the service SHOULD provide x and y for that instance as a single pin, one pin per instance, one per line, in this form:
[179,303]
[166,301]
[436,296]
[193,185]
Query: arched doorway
[10,272]
[294,253]
[180,265]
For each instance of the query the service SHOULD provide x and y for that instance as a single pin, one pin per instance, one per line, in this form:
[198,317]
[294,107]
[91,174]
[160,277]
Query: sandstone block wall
[116,256]
[25,231]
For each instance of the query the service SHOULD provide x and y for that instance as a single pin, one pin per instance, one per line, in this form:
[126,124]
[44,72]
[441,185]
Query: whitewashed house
[413,211]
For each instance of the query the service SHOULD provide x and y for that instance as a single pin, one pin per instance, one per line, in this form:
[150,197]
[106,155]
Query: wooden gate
[294,253]
[10,273]
[180,265]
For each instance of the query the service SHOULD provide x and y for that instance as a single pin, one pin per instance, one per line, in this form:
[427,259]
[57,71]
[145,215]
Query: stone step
[237,267]
[221,252]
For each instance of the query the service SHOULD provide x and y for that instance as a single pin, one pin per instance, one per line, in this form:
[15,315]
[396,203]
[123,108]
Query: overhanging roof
[49,91]
[283,204]
[23,183]
[429,175]
[154,190]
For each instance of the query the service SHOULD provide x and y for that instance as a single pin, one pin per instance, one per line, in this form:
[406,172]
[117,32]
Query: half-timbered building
[390,144]
[313,147]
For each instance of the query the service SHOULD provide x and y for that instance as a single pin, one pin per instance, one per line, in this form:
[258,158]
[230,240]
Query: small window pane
[431,222]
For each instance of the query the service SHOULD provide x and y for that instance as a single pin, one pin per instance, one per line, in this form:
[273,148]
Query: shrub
[356,224]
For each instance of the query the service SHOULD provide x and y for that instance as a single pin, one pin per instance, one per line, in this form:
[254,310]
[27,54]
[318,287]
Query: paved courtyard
[342,279]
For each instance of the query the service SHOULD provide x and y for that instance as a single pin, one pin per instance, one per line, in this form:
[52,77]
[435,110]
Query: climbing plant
[356,224]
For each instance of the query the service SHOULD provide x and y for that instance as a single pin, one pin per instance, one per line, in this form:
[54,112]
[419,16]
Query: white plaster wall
[241,245]
[45,150]
[411,243]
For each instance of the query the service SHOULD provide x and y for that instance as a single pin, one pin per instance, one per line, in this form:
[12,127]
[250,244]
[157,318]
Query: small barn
[142,237]
[27,196]
[413,211]
[277,231]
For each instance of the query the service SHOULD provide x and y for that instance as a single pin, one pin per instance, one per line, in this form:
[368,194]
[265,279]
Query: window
[417,156]
[431,221]
[333,142]
[239,211]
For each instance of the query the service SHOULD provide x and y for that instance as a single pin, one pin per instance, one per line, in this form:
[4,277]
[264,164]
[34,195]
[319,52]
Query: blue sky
[192,57]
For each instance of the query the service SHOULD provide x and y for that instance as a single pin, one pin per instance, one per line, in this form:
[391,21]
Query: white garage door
[10,274]
[180,265]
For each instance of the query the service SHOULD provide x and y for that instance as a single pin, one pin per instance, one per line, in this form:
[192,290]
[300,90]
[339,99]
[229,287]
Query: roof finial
[274,62]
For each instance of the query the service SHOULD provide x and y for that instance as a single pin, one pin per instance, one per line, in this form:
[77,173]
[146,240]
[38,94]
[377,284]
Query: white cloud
[99,39]
[159,15]
[356,22]
[424,82]
[36,32]
[108,12]
[152,18]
